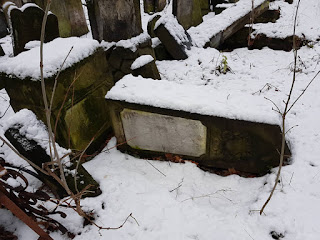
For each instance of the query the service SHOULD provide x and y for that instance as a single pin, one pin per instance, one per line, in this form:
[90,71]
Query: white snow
[175,29]
[141,61]
[202,33]
[188,203]
[26,64]
[193,99]
[131,43]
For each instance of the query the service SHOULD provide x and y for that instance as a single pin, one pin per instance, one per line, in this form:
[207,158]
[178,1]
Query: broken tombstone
[145,67]
[173,36]
[188,12]
[30,140]
[70,14]
[122,54]
[26,26]
[114,20]
[204,129]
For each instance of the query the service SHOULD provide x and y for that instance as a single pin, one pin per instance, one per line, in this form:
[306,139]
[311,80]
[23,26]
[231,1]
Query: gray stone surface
[114,20]
[72,21]
[162,133]
[151,6]
[176,47]
[188,12]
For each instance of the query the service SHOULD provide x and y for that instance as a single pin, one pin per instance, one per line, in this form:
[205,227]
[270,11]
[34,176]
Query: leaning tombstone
[70,14]
[34,146]
[151,23]
[145,67]
[173,36]
[188,12]
[26,26]
[3,25]
[114,20]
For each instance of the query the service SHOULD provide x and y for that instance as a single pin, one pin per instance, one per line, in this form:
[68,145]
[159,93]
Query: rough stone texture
[162,53]
[176,50]
[35,153]
[205,6]
[84,112]
[3,25]
[188,12]
[114,20]
[151,23]
[245,146]
[26,26]
[72,21]
[149,70]
[151,6]
[121,59]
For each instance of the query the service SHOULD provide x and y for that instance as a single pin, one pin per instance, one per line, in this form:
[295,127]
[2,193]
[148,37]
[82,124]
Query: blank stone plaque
[162,133]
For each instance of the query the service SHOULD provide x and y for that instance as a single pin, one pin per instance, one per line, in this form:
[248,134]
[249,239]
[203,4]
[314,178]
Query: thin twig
[156,168]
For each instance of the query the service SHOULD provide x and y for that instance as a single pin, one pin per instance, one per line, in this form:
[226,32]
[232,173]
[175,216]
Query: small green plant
[223,67]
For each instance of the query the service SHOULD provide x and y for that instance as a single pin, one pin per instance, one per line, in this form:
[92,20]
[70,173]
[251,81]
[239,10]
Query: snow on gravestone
[173,36]
[162,133]
[188,12]
[70,14]
[26,25]
[114,20]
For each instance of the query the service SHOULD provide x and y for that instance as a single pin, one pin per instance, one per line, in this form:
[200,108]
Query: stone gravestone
[151,6]
[26,25]
[114,20]
[3,25]
[173,36]
[72,21]
[188,12]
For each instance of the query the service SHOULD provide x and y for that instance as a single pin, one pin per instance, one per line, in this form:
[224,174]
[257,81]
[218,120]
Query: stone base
[212,142]
[79,110]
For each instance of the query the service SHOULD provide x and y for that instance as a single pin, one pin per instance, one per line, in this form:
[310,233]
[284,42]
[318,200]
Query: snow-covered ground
[184,202]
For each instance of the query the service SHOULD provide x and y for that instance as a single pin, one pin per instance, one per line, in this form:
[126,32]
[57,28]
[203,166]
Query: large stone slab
[214,31]
[153,124]
[72,21]
[78,109]
[188,12]
[172,35]
[26,25]
[114,20]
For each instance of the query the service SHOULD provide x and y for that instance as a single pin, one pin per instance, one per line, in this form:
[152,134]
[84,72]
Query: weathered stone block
[78,108]
[205,7]
[114,20]
[26,26]
[188,12]
[72,21]
[3,25]
[212,141]
[175,39]
[145,66]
